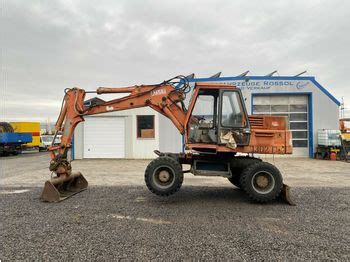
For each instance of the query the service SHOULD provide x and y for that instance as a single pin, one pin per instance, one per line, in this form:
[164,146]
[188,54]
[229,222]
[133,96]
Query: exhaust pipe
[63,187]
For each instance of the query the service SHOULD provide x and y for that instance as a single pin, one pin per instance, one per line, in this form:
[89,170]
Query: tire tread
[245,182]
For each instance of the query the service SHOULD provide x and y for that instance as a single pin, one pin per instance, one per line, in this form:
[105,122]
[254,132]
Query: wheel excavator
[220,138]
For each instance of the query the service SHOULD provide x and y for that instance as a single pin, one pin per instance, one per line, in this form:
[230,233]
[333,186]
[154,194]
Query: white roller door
[295,107]
[104,137]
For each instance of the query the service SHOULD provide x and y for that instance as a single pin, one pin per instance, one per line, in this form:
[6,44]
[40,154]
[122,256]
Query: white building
[136,133]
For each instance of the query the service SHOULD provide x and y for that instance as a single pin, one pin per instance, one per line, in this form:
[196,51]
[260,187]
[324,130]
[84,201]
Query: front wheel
[262,182]
[164,176]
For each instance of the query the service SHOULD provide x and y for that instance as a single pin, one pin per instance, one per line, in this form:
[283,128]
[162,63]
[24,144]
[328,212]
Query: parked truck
[28,127]
[11,142]
[45,142]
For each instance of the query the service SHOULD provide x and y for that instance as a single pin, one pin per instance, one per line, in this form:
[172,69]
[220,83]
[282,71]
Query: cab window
[204,111]
[232,111]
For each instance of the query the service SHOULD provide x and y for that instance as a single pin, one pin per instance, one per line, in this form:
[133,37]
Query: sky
[47,46]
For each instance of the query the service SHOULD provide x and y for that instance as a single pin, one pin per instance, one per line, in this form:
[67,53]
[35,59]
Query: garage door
[293,106]
[104,137]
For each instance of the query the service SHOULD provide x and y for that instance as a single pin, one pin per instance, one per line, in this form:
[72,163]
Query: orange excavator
[220,138]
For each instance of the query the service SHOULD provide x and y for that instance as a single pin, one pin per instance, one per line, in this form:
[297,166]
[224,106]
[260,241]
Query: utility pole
[342,108]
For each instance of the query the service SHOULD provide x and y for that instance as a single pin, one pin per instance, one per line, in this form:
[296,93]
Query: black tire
[235,180]
[164,176]
[237,165]
[6,128]
[262,182]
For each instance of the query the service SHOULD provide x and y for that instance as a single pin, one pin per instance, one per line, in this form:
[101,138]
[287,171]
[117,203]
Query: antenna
[300,73]
[272,73]
[216,75]
[243,74]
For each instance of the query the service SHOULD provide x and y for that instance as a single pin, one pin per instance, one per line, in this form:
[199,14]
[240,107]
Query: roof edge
[310,78]
[324,90]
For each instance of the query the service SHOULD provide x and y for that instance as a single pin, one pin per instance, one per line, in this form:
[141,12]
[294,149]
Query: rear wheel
[237,165]
[262,182]
[164,176]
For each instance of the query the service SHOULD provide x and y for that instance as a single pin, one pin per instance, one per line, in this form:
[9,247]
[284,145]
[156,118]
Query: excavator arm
[164,98]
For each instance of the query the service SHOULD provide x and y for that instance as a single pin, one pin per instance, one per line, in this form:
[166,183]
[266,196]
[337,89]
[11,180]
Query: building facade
[136,133]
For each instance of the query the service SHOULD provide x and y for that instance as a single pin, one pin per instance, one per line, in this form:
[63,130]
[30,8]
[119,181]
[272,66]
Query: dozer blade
[60,188]
[286,196]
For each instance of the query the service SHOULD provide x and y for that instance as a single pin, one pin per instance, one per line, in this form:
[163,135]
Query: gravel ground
[197,223]
[209,219]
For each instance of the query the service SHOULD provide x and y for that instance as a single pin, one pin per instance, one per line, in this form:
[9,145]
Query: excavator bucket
[62,187]
[286,196]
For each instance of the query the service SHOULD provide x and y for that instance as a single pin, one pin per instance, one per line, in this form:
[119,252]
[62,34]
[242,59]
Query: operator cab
[218,117]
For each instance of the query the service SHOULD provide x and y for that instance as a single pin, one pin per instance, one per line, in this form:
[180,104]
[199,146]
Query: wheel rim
[263,182]
[163,177]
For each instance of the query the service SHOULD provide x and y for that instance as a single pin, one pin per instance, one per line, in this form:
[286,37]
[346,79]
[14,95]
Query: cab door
[202,127]
[234,129]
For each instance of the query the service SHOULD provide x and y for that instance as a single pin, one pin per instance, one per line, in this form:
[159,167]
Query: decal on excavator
[260,149]
[158,92]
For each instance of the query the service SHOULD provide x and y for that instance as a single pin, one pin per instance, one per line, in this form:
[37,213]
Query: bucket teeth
[62,187]
[286,196]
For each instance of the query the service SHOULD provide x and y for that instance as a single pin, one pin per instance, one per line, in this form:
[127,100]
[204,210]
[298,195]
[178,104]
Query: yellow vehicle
[28,127]
[344,126]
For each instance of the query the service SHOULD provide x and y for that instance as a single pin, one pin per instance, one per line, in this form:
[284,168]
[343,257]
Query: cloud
[50,45]
[158,36]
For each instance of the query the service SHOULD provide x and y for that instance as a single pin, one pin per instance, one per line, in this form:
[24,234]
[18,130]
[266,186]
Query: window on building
[145,126]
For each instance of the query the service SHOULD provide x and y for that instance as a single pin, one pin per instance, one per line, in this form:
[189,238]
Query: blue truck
[10,143]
